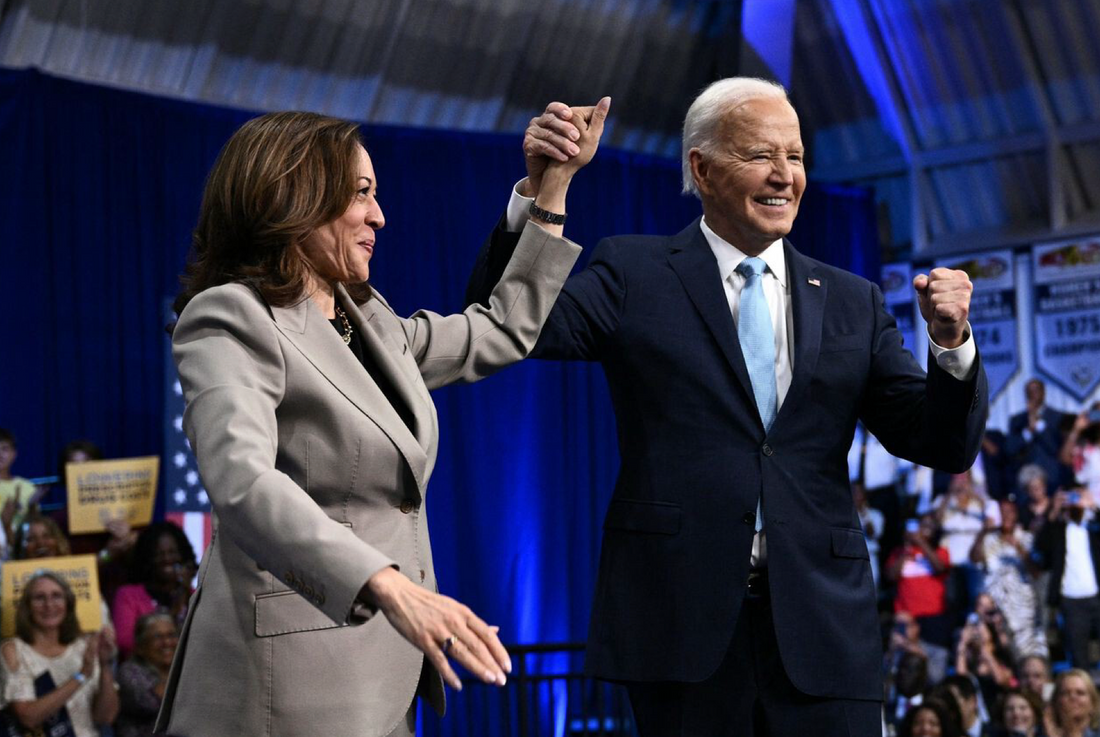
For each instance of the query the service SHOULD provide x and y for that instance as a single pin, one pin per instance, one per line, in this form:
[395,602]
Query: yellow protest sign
[79,571]
[100,491]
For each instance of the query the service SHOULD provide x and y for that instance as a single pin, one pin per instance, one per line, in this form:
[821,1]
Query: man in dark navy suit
[734,593]
[1035,436]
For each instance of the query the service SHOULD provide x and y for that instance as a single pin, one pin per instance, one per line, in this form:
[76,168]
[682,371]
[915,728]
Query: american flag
[187,503]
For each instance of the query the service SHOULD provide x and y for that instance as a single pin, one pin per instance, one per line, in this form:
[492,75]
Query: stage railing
[547,695]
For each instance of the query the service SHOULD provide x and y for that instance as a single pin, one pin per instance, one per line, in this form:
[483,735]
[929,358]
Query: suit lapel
[808,290]
[389,356]
[693,262]
[308,330]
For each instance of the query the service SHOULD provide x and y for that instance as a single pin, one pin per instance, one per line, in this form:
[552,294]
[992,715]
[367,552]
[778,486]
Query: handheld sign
[79,571]
[101,491]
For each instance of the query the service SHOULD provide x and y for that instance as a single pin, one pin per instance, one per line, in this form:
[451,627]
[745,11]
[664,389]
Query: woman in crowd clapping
[51,673]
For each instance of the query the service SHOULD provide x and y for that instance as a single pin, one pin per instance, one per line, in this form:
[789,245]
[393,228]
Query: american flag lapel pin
[814,282]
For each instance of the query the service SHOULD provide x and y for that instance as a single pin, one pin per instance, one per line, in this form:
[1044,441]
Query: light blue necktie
[754,330]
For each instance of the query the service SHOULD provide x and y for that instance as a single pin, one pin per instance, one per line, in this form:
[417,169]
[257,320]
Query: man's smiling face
[752,183]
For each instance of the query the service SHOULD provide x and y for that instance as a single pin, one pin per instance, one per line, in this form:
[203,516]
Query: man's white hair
[706,112]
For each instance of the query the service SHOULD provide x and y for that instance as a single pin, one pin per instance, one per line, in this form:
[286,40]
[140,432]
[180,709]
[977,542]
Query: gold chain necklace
[346,337]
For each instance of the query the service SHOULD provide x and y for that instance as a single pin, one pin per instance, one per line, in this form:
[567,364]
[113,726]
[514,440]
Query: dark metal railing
[547,695]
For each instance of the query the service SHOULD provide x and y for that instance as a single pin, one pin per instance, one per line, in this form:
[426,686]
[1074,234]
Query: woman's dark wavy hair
[278,178]
[24,624]
[946,712]
[145,549]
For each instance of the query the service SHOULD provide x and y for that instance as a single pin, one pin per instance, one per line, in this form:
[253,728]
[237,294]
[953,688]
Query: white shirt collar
[729,256]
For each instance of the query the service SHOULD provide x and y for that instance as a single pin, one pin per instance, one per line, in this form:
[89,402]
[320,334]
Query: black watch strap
[551,218]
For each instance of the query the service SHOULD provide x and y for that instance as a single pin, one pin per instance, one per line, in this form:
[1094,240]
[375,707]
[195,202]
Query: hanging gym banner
[1067,313]
[900,300]
[992,312]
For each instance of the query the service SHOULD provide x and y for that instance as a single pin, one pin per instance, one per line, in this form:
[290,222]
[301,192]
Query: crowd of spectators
[987,583]
[55,677]
[987,580]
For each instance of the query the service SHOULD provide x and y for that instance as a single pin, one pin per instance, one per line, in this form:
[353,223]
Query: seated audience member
[871,520]
[964,511]
[919,568]
[54,679]
[966,696]
[1069,547]
[1075,705]
[905,684]
[933,717]
[1019,714]
[1081,450]
[16,493]
[142,679]
[1034,677]
[1035,435]
[39,537]
[905,637]
[980,656]
[1004,554]
[164,566]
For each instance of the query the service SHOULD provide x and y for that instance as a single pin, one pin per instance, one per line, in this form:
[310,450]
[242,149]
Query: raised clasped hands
[944,298]
[440,627]
[562,139]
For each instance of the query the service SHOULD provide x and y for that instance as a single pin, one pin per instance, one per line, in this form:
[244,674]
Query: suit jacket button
[749,519]
[423,575]
[406,507]
[766,449]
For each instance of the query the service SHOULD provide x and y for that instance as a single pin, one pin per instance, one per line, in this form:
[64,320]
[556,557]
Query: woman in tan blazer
[309,414]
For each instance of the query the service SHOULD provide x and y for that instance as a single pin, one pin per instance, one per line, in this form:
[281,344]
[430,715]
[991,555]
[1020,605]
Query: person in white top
[1070,548]
[54,677]
[963,512]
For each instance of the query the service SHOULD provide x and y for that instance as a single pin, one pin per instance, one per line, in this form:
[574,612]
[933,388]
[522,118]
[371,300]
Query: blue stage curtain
[100,190]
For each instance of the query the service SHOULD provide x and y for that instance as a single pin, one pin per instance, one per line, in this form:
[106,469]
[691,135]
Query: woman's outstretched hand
[440,627]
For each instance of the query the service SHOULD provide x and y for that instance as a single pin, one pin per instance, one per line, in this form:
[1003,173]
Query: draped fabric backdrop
[100,190]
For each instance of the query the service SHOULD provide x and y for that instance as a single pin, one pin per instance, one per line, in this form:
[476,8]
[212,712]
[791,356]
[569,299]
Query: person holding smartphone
[920,567]
[1081,449]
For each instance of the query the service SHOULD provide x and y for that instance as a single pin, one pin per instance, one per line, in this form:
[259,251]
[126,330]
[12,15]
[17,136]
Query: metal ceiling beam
[1057,166]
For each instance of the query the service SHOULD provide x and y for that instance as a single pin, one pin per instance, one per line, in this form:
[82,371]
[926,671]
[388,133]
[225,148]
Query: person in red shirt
[919,568]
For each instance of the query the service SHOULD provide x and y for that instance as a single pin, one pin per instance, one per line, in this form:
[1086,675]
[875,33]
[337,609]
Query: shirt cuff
[959,362]
[515,217]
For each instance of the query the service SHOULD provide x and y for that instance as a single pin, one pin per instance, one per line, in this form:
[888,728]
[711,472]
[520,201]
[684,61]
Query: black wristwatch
[550,218]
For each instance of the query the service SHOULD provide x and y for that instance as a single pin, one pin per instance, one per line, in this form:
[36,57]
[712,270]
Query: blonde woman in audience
[51,674]
[1075,706]
[39,537]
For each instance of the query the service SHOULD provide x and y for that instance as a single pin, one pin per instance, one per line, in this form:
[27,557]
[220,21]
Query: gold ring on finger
[449,643]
